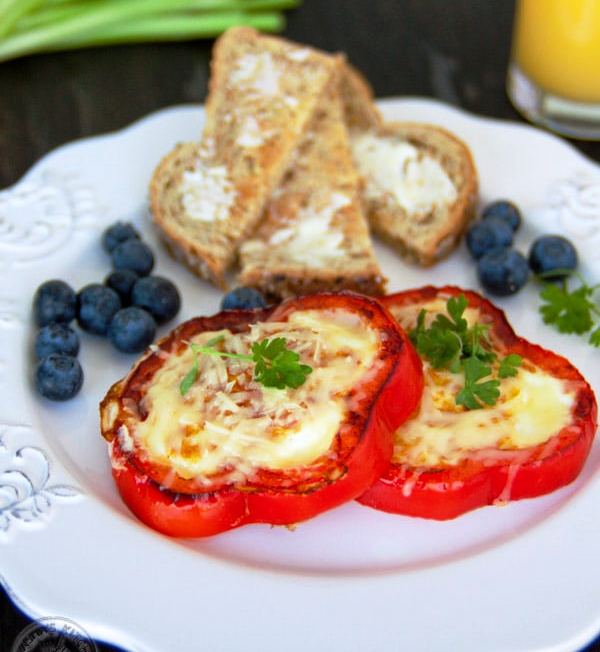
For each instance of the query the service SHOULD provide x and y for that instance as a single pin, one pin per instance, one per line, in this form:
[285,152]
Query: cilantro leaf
[277,366]
[274,364]
[441,347]
[595,337]
[450,343]
[456,307]
[570,312]
[509,364]
[419,328]
[475,394]
[477,343]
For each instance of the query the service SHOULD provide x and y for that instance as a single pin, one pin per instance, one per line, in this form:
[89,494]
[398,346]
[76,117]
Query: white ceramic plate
[522,577]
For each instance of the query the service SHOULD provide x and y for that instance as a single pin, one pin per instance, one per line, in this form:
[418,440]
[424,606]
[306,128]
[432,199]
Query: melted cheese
[533,407]
[229,421]
[416,181]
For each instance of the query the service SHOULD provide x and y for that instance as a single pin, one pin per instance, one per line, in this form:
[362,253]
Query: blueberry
[59,377]
[488,234]
[54,301]
[56,338]
[505,211]
[552,252]
[242,299]
[97,306]
[117,233]
[133,255]
[158,296]
[132,330]
[122,282]
[502,271]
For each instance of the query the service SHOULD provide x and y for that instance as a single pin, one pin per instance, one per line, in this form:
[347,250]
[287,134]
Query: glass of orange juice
[554,73]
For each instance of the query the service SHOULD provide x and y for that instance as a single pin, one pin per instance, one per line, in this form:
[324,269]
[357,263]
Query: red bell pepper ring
[358,455]
[445,492]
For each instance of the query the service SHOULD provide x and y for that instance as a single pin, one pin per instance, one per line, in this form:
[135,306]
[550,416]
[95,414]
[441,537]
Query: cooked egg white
[533,407]
[228,420]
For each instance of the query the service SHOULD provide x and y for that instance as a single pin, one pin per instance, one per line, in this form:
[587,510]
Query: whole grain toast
[360,110]
[424,213]
[207,199]
[314,235]
[428,234]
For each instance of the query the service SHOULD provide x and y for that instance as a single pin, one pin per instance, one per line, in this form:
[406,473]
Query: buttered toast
[360,110]
[420,187]
[314,235]
[207,198]
[419,180]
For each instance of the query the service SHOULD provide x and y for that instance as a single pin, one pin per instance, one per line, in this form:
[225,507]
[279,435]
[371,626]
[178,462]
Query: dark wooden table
[454,50]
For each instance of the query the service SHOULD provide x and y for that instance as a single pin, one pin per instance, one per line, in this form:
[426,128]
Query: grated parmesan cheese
[229,421]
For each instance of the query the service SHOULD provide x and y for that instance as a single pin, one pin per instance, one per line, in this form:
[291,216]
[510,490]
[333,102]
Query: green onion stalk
[36,26]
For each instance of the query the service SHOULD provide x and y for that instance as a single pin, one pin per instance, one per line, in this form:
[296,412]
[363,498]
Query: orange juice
[556,43]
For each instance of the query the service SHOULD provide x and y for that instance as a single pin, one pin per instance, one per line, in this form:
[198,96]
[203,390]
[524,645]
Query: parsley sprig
[450,343]
[571,311]
[274,364]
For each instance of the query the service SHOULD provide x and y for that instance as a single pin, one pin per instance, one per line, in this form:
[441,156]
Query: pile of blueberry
[127,308]
[502,270]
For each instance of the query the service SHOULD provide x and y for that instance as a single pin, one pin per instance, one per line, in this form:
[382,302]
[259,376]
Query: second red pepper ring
[494,473]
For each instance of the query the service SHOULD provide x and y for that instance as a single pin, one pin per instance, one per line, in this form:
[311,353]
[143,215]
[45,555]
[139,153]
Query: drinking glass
[554,71]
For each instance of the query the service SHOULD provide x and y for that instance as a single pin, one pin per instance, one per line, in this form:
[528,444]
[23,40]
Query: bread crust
[206,261]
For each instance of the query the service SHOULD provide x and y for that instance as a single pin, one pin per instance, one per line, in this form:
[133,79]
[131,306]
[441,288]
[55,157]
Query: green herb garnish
[474,394]
[274,364]
[450,343]
[571,311]
[509,365]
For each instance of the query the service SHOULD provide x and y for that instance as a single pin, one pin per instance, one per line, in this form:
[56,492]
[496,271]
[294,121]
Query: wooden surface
[454,50]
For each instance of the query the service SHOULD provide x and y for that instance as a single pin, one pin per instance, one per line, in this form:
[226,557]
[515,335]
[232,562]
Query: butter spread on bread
[415,180]
[419,187]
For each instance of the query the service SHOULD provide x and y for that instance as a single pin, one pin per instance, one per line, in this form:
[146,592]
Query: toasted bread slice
[420,187]
[360,110]
[263,91]
[314,236]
